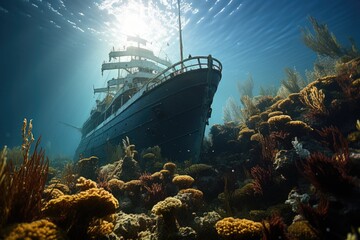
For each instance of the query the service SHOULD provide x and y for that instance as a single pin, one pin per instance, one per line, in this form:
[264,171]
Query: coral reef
[242,229]
[167,223]
[75,212]
[283,167]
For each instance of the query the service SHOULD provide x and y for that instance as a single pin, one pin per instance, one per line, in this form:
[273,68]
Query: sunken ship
[153,103]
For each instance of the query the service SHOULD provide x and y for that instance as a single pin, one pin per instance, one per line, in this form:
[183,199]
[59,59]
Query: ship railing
[189,64]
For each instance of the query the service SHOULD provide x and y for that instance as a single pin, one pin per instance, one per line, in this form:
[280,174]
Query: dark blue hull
[172,115]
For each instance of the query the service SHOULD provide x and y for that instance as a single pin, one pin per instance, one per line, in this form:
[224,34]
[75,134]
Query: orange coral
[94,202]
[85,184]
[100,227]
[241,229]
[183,181]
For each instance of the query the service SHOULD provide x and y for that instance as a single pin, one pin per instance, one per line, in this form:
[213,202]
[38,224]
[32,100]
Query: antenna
[180,35]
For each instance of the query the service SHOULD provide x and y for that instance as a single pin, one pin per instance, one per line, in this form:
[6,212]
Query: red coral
[155,193]
[262,179]
[274,228]
[328,175]
[334,139]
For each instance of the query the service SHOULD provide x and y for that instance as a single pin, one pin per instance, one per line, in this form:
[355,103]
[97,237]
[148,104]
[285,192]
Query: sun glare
[133,20]
[153,20]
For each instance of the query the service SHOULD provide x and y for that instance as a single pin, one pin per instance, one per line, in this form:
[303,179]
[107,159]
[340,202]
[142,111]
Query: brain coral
[241,229]
[41,230]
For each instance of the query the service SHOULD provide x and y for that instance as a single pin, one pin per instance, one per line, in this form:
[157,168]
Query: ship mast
[180,35]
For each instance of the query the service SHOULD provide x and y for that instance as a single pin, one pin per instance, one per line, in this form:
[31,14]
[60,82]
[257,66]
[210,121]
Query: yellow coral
[95,202]
[297,127]
[100,227]
[132,185]
[85,184]
[89,160]
[245,133]
[302,230]
[183,181]
[235,228]
[195,193]
[115,185]
[157,176]
[278,122]
[314,99]
[275,113]
[165,173]
[51,193]
[41,230]
[166,206]
[62,187]
[170,166]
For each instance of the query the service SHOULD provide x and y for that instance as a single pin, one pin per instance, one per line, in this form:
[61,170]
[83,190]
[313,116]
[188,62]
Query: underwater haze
[52,51]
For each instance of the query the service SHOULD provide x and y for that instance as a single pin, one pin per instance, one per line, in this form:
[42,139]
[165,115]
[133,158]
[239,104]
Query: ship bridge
[138,52]
[131,64]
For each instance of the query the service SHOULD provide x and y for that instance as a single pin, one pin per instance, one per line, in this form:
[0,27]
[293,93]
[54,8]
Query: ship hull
[173,115]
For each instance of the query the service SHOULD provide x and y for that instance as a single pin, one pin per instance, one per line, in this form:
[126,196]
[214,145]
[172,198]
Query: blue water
[51,51]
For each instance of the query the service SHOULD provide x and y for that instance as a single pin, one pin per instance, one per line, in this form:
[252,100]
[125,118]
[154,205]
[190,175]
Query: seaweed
[22,186]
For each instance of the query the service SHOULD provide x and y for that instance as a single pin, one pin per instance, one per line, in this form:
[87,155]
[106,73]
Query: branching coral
[241,229]
[129,148]
[262,178]
[334,139]
[314,99]
[329,176]
[274,228]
